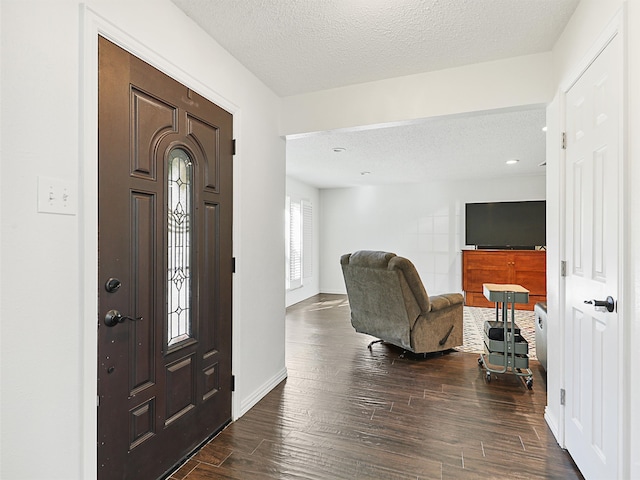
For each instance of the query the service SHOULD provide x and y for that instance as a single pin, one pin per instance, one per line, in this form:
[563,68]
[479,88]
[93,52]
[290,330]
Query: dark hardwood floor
[345,412]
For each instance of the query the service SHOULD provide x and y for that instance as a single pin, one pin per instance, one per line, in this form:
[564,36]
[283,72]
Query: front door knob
[114,317]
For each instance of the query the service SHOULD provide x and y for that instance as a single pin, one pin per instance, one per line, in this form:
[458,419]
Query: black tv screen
[513,225]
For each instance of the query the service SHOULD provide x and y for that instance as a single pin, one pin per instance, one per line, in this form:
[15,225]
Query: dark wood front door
[165,268]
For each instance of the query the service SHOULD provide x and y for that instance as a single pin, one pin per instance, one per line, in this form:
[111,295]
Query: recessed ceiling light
[339,149]
[544,129]
[513,161]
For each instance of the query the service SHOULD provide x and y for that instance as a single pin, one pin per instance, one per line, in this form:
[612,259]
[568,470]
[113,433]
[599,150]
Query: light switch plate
[56,195]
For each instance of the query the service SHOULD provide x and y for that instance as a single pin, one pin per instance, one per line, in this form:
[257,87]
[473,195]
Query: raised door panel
[142,348]
[207,137]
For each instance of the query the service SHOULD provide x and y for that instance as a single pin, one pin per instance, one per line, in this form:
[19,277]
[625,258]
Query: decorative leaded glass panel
[179,240]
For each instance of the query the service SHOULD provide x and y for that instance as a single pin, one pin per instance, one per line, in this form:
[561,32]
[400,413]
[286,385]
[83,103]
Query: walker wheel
[480,361]
[489,377]
[530,383]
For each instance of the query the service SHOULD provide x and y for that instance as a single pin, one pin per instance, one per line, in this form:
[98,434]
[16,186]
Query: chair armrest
[440,302]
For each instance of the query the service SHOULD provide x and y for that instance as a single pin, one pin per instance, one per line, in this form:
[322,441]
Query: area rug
[474,318]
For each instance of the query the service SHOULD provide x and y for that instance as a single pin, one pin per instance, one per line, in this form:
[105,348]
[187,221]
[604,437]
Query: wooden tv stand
[523,267]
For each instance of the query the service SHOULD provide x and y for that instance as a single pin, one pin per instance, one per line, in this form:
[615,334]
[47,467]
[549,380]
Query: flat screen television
[506,225]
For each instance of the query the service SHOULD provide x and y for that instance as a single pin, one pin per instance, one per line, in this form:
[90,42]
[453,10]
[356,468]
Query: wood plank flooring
[346,412]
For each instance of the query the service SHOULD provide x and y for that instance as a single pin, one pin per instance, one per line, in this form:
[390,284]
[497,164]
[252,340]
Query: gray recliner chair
[388,301]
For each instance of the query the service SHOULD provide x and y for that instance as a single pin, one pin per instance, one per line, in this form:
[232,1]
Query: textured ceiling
[300,46]
[452,148]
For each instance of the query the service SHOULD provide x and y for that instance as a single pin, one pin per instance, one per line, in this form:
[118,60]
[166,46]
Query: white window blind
[307,239]
[295,245]
[299,232]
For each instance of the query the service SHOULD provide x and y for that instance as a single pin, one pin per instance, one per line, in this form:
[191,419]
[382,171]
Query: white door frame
[615,27]
[93,24]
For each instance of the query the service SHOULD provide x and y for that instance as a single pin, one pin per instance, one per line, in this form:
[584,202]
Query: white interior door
[592,361]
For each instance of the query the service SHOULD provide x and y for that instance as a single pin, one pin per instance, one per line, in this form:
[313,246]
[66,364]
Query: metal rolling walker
[504,347]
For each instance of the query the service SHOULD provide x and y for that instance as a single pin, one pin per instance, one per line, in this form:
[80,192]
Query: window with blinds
[307,239]
[299,230]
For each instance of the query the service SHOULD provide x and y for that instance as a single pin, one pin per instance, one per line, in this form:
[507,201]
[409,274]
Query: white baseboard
[333,291]
[553,425]
[248,403]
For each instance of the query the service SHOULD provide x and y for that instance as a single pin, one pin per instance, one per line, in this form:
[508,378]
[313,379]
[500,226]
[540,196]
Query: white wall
[49,272]
[423,222]
[506,83]
[1,247]
[633,227]
[40,317]
[310,285]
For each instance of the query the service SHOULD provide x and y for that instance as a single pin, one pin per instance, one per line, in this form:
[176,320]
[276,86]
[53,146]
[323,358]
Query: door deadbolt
[112,285]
